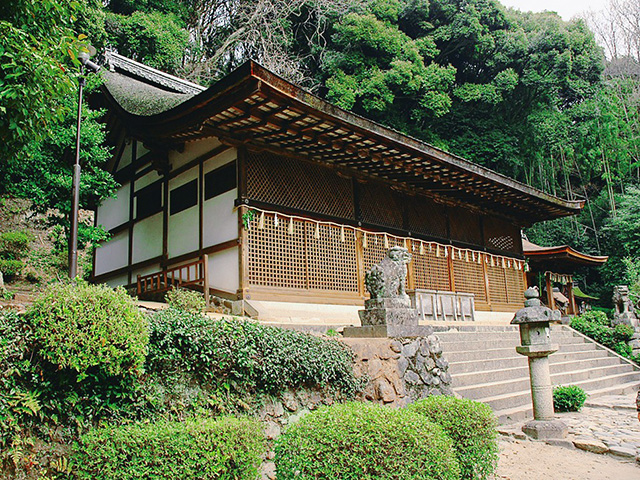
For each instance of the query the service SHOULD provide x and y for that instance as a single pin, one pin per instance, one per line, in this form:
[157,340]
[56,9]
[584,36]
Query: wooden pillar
[550,300]
[573,309]
[452,280]
[205,282]
[243,253]
[411,274]
[485,273]
[360,263]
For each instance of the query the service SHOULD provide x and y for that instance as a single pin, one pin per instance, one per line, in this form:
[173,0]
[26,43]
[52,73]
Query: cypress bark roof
[253,106]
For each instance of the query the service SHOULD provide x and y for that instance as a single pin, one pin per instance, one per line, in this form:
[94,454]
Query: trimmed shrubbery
[247,354]
[186,300]
[569,398]
[597,326]
[204,448]
[83,327]
[363,441]
[472,427]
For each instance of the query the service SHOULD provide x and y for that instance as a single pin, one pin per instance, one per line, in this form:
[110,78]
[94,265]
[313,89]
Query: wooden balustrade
[195,273]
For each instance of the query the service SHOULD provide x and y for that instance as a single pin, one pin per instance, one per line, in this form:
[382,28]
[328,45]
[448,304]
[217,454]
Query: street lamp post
[83,57]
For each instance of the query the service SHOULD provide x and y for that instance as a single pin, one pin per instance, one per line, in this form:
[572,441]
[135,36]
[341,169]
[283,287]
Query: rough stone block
[622,452]
[545,429]
[590,445]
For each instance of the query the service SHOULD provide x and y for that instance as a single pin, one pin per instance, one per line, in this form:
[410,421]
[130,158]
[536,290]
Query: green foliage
[153,38]
[17,404]
[13,245]
[11,268]
[36,37]
[197,448]
[569,398]
[248,355]
[596,325]
[472,427]
[84,326]
[365,441]
[185,300]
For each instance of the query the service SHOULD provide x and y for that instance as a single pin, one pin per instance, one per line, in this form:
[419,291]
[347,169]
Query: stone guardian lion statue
[387,279]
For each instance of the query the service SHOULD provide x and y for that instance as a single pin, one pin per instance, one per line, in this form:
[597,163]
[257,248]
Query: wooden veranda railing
[189,274]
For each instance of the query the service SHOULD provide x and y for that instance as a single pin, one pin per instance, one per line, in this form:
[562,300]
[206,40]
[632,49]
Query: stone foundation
[401,370]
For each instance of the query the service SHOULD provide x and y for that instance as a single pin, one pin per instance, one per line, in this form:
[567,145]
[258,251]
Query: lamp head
[83,57]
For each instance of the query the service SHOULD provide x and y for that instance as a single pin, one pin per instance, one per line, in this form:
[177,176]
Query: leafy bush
[83,326]
[18,405]
[568,398]
[13,245]
[199,448]
[596,326]
[186,300]
[245,353]
[365,441]
[472,427]
[11,268]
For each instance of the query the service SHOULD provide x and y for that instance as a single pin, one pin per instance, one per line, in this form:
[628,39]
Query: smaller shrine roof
[560,258]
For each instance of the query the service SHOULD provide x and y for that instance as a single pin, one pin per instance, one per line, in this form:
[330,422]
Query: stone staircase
[485,367]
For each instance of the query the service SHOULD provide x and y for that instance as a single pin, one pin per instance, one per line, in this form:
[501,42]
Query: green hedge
[13,245]
[596,325]
[226,448]
[361,441]
[472,427]
[569,398]
[247,354]
[82,326]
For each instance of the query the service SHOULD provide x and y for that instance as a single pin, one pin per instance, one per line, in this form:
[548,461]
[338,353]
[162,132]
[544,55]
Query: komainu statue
[387,279]
[624,307]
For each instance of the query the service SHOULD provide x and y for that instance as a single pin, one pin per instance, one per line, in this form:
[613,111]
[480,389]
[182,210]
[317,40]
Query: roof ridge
[179,85]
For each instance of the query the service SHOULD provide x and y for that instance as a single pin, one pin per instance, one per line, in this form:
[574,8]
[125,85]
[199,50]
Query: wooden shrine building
[290,198]
[557,264]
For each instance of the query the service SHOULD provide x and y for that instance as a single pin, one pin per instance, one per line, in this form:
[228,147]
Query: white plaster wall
[141,150]
[192,150]
[147,238]
[220,218]
[220,160]
[184,227]
[145,180]
[125,159]
[112,254]
[118,281]
[145,271]
[114,211]
[224,273]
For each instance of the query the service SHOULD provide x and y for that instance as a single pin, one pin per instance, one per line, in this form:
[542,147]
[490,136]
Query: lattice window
[469,277]
[515,286]
[332,263]
[379,205]
[375,248]
[305,186]
[426,216]
[465,226]
[430,271]
[502,235]
[276,258]
[497,284]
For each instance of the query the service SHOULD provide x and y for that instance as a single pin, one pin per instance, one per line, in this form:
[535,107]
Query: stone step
[570,371]
[480,391]
[592,363]
[596,384]
[591,374]
[450,337]
[469,356]
[516,360]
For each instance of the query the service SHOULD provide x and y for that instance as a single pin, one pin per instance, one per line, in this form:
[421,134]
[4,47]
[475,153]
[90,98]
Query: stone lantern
[535,339]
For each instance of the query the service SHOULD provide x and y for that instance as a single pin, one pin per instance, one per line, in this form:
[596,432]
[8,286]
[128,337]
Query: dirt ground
[528,460]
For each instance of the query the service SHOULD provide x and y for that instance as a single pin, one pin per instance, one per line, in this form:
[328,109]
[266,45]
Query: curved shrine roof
[253,106]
